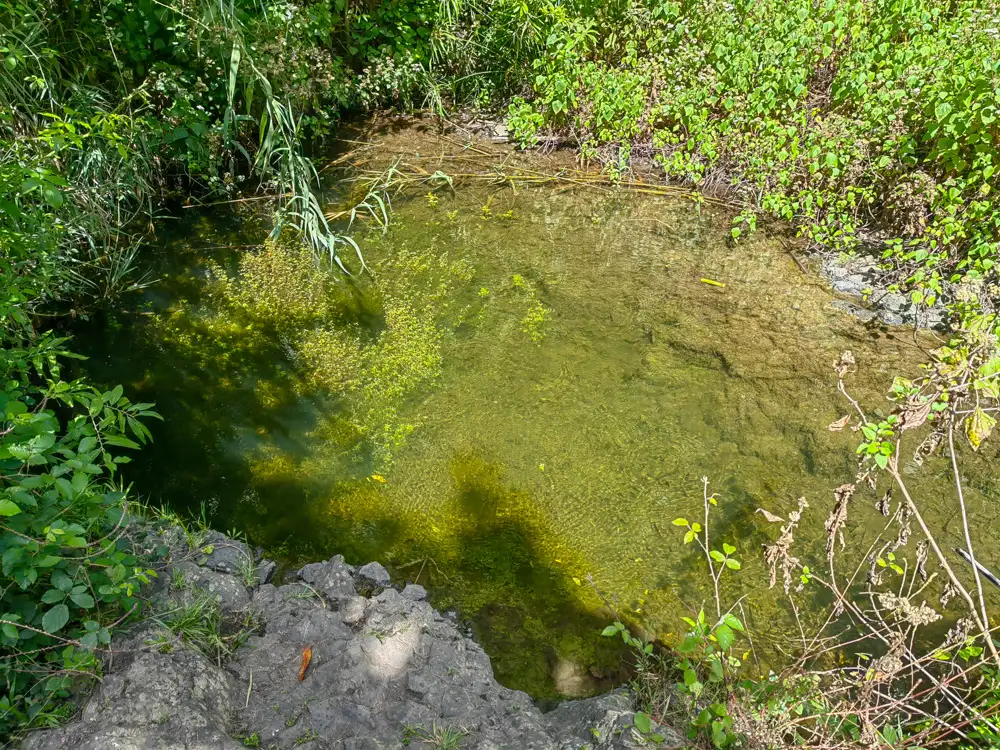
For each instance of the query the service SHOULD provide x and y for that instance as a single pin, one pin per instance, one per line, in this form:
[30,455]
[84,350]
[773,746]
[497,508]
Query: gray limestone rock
[155,700]
[353,610]
[856,310]
[374,574]
[415,592]
[891,318]
[334,579]
[194,581]
[893,302]
[604,722]
[861,277]
[226,555]
[265,571]
[381,666]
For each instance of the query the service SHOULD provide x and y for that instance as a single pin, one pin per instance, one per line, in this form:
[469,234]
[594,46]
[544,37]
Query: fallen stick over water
[982,569]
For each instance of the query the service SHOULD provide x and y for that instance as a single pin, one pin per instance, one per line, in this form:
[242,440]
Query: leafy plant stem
[973,610]
[968,539]
[706,545]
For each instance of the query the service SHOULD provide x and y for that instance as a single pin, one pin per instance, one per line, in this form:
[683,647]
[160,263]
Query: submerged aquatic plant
[370,343]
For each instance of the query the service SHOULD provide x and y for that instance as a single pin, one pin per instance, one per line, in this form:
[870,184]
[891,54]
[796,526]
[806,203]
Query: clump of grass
[439,737]
[249,740]
[201,625]
[248,571]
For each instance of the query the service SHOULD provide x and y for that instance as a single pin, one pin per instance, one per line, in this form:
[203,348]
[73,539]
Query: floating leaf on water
[769,516]
[839,424]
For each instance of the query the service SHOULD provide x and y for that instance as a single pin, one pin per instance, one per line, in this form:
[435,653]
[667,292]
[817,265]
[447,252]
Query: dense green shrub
[67,575]
[850,119]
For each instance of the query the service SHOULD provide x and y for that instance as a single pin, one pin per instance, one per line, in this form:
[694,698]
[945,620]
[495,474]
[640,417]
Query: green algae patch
[366,345]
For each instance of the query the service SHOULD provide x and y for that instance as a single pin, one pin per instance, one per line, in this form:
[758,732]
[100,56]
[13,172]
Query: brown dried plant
[880,670]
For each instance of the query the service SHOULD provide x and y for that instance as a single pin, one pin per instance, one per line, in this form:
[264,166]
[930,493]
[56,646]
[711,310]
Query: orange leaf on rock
[307,653]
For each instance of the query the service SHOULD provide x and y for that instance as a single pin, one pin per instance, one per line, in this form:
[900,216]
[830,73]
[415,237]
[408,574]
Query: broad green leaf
[717,556]
[9,507]
[82,600]
[733,564]
[717,674]
[681,522]
[728,548]
[62,581]
[609,630]
[54,620]
[53,196]
[724,635]
[642,722]
[992,367]
[53,596]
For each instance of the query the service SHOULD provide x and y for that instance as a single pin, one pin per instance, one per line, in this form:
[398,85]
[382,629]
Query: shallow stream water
[526,392]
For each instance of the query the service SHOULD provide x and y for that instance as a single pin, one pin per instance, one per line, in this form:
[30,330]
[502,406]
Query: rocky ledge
[386,669]
[862,281]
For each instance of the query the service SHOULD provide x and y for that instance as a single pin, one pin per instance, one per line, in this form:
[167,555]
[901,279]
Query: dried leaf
[839,424]
[770,517]
[837,519]
[922,560]
[844,364]
[884,505]
[928,447]
[914,414]
[978,428]
[948,593]
[777,556]
[307,653]
[905,530]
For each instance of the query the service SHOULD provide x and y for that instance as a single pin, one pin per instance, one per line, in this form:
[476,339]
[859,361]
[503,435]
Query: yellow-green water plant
[369,344]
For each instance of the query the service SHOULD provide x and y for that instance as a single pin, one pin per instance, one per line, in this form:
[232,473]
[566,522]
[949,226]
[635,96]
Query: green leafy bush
[868,119]
[69,576]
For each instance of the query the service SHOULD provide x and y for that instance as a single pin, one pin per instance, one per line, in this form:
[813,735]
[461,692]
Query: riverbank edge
[865,288]
[335,656]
